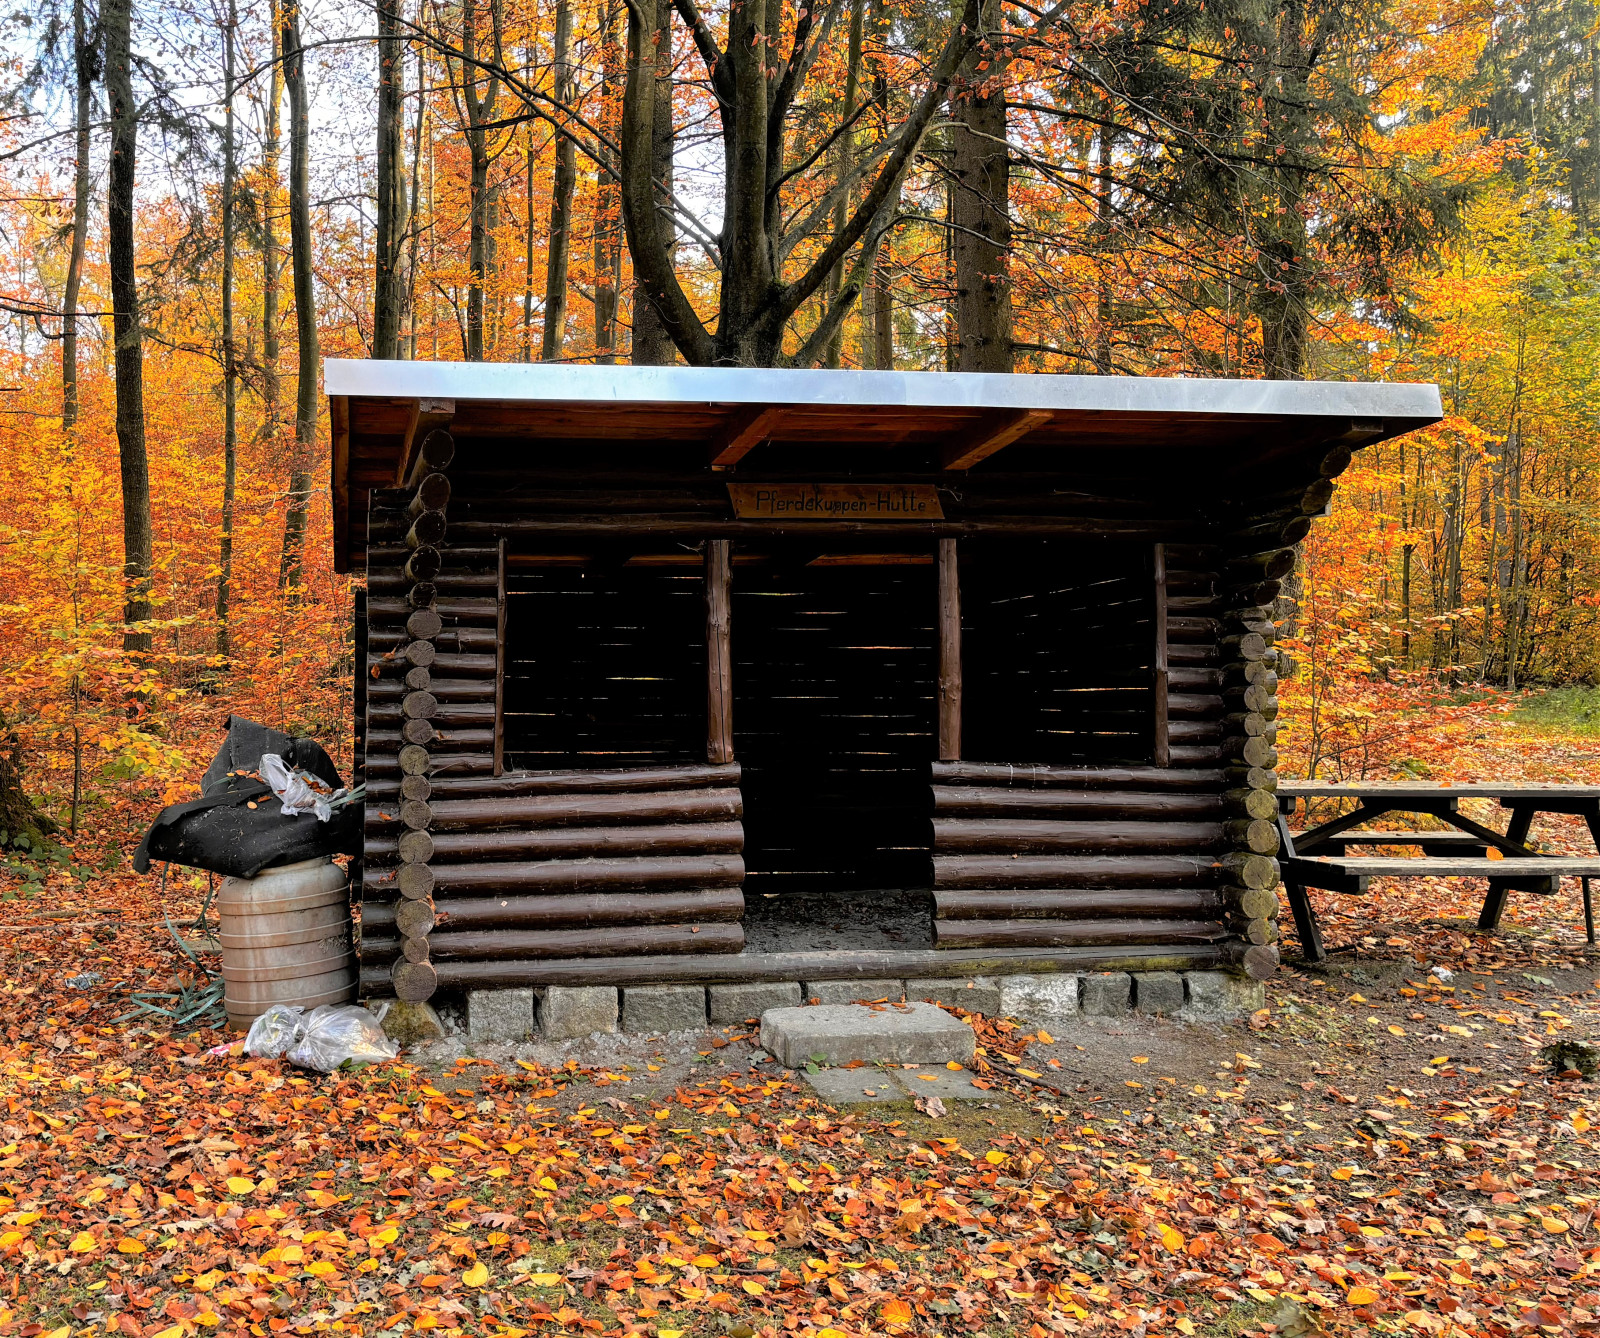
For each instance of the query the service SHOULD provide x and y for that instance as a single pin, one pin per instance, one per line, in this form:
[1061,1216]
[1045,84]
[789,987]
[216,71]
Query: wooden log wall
[556,864]
[1042,856]
[407,735]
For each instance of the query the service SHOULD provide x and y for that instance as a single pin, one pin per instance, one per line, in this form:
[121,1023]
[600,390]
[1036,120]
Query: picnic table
[1319,857]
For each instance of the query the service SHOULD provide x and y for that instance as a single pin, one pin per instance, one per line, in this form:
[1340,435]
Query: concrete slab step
[834,1034]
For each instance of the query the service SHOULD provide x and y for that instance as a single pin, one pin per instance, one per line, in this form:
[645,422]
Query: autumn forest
[202,200]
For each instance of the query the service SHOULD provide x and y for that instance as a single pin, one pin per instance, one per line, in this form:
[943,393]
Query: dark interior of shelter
[835,683]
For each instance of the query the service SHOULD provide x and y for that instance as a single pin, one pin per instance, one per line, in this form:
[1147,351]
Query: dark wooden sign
[835,501]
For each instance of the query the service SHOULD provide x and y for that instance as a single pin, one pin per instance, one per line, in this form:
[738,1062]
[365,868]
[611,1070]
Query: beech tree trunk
[83,60]
[477,110]
[559,252]
[230,366]
[271,253]
[845,156]
[755,88]
[980,204]
[391,224]
[608,199]
[117,18]
[652,342]
[305,302]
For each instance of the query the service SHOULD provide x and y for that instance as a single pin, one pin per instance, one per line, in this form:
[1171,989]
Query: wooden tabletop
[1298,789]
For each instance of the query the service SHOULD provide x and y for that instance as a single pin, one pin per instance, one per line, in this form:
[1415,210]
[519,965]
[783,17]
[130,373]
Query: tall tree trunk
[652,345]
[387,289]
[844,160]
[566,176]
[271,253]
[414,217]
[478,110]
[530,232]
[981,204]
[83,69]
[305,301]
[117,17]
[1104,148]
[230,365]
[608,198]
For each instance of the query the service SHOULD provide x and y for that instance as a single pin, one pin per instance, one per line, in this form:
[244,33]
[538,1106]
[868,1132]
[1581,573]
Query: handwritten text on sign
[835,501]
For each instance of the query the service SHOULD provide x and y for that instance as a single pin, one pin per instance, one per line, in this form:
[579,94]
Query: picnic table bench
[1320,858]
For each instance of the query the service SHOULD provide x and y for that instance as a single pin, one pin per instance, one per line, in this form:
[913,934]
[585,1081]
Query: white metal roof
[513,382]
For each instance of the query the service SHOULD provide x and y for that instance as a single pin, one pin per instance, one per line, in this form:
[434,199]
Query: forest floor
[1382,1149]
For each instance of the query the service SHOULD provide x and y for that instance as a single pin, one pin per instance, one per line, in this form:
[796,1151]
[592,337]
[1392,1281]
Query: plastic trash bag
[324,1039]
[233,829]
[300,791]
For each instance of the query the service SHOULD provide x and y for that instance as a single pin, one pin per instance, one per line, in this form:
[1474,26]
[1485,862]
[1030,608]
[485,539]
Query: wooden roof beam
[426,415]
[744,432]
[993,434]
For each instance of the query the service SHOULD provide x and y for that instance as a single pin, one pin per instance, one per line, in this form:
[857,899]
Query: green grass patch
[1572,710]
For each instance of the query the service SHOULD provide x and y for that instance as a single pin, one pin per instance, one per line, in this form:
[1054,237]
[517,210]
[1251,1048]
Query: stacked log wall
[1031,856]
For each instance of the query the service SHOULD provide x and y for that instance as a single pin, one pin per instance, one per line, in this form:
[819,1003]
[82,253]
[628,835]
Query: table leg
[1305,922]
[1494,901]
[1588,914]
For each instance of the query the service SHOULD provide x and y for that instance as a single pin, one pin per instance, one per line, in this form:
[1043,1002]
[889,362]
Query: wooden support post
[719,651]
[1163,746]
[500,661]
[949,653]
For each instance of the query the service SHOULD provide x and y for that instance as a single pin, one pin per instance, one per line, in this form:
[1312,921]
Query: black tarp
[220,831]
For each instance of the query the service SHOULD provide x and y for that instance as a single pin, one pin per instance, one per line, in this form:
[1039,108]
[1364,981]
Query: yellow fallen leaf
[821,1333]
[477,1275]
[12,1238]
[176,1331]
[1045,1037]
[237,1184]
[206,1281]
[660,1333]
[209,1318]
[705,1261]
[1030,1073]
[1184,1326]
[753,1287]
[994,1157]
[65,1331]
[934,1077]
[1341,1173]
[1554,1225]
[1438,1060]
[1396,1031]
[1141,1059]
[545,1182]
[896,1313]
[1172,1238]
[621,1200]
[953,1066]
[128,1245]
[440,1172]
[544,1279]
[1580,1123]
[1361,1295]
[82,1243]
[1260,1294]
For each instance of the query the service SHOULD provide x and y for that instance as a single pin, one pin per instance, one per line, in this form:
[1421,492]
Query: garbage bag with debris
[323,1039]
[266,799]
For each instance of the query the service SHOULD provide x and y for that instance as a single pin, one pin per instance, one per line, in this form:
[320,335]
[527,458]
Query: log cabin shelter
[680,674]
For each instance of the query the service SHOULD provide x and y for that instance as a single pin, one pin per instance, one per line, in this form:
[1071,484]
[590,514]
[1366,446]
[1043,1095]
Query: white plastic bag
[300,791]
[323,1039]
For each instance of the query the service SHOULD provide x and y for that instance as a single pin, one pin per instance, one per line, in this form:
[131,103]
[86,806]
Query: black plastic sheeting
[220,832]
